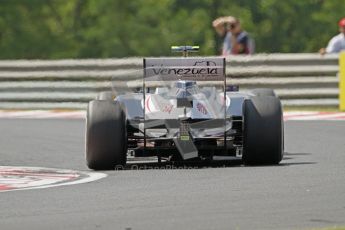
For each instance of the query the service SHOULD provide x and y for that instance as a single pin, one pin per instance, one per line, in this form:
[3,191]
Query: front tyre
[106,95]
[263,92]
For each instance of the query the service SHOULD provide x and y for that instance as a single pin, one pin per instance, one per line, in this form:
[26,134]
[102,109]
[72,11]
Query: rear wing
[189,68]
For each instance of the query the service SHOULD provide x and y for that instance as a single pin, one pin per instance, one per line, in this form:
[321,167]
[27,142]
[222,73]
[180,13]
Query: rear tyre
[106,95]
[263,92]
[263,135]
[106,135]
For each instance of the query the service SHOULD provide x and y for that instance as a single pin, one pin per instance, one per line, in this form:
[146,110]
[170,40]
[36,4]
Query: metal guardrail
[298,79]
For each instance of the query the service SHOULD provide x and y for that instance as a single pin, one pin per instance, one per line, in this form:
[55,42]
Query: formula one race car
[182,109]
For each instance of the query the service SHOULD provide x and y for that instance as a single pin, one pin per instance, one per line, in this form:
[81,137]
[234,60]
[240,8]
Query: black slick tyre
[263,137]
[106,135]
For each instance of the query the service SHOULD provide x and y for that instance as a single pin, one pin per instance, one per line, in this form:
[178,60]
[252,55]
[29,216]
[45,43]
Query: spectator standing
[337,43]
[236,40]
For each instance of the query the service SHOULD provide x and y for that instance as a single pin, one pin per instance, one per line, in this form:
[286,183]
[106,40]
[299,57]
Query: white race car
[183,109]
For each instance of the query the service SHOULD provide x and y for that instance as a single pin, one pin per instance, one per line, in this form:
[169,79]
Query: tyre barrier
[300,80]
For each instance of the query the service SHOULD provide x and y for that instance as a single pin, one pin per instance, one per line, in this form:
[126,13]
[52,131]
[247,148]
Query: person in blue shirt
[236,40]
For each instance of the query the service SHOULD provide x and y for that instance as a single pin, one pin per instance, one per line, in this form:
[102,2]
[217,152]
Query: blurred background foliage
[51,29]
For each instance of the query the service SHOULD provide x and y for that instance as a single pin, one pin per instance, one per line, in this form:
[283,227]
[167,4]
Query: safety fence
[300,80]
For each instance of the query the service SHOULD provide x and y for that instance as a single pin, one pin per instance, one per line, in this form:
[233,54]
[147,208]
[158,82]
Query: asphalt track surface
[306,191]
